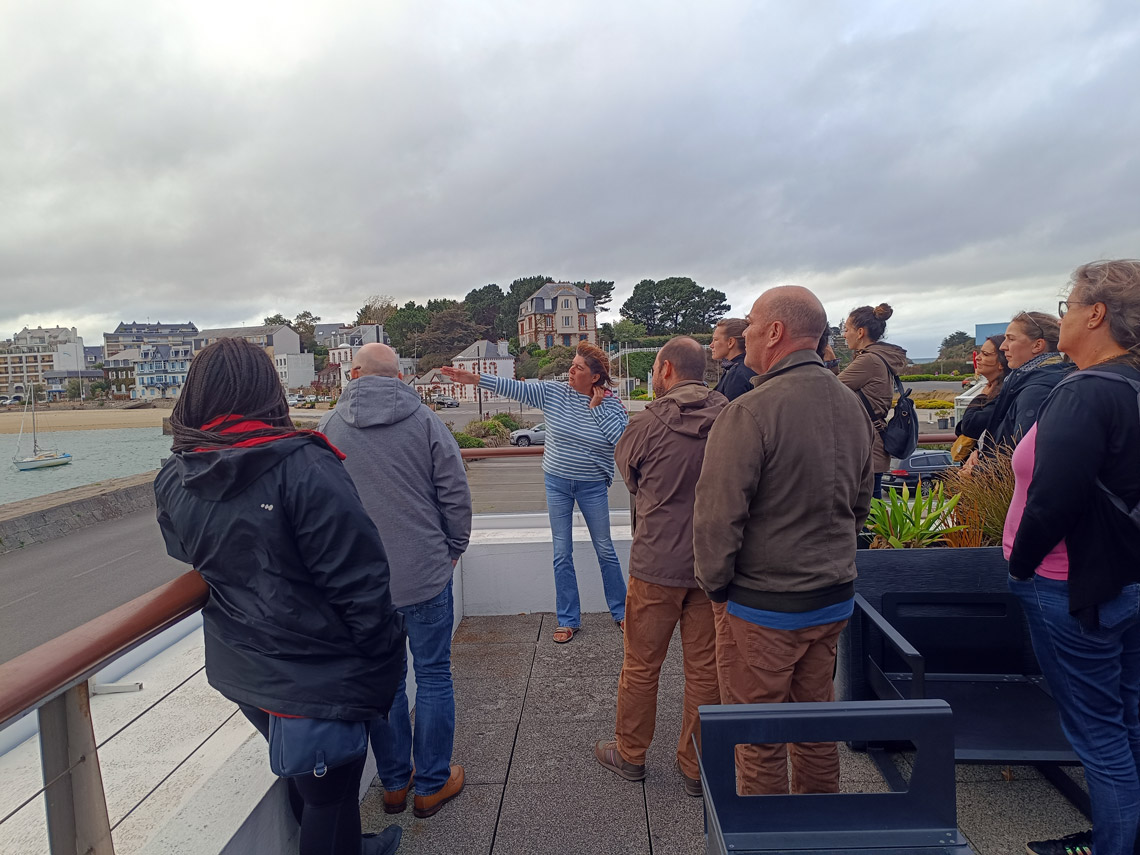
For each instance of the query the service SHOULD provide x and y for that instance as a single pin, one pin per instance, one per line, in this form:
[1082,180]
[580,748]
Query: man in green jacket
[786,484]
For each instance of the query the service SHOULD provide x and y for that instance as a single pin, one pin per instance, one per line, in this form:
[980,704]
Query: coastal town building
[558,313]
[119,372]
[273,339]
[134,335]
[93,356]
[323,333]
[344,343]
[483,357]
[433,383]
[161,370]
[328,379]
[29,353]
[296,370]
[57,383]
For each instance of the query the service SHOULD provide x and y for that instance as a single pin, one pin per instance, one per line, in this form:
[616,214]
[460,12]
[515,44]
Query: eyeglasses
[1063,306]
[1028,317]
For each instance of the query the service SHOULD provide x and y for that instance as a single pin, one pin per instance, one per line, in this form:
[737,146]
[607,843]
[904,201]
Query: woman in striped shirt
[584,421]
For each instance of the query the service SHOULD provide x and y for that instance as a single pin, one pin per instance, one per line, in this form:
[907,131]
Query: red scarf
[240,424]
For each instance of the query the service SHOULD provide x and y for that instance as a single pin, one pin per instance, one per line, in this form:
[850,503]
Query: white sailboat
[41,458]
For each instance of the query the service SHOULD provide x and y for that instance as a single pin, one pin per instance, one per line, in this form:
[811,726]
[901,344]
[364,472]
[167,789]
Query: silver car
[529,436]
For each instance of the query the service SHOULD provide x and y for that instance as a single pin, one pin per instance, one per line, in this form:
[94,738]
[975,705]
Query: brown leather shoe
[606,752]
[692,785]
[396,801]
[425,806]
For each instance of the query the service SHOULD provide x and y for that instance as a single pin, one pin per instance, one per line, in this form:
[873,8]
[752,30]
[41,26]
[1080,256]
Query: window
[565,320]
[583,337]
[581,322]
[549,342]
[565,341]
[565,304]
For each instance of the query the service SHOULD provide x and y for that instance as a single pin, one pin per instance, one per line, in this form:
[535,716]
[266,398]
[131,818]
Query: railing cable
[149,708]
[43,789]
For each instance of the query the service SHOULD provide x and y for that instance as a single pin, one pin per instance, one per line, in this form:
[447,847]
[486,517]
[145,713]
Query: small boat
[41,458]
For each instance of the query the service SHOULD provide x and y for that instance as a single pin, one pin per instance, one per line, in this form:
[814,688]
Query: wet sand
[91,418]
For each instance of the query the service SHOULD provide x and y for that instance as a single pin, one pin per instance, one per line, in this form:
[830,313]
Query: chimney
[586,288]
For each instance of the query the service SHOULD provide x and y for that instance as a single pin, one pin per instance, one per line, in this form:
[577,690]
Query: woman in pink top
[1074,552]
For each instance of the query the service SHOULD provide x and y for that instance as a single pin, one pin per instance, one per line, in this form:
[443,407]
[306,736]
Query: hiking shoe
[425,806]
[384,843]
[1072,844]
[608,755]
[692,785]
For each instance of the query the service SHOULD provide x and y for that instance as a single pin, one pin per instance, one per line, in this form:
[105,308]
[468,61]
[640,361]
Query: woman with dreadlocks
[299,627]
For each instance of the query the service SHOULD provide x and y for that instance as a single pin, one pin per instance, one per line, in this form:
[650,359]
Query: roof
[155,327]
[130,354]
[483,349]
[240,332]
[434,376]
[551,289]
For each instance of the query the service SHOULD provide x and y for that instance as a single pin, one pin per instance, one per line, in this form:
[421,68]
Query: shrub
[467,441]
[639,394]
[489,429]
[506,420]
[897,523]
[983,494]
[933,405]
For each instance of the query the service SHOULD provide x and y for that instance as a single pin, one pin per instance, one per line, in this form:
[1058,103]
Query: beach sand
[91,418]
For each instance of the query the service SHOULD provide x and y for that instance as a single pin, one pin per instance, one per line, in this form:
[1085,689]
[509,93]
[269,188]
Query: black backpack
[1118,503]
[900,436]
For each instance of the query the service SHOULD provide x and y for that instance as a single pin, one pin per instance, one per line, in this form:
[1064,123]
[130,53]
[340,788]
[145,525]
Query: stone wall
[56,514]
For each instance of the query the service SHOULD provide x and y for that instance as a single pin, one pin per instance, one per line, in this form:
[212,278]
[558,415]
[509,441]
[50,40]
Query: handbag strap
[897,384]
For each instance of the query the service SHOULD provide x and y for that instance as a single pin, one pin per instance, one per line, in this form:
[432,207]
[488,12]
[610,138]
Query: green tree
[674,306]
[377,309]
[74,389]
[601,290]
[406,326]
[627,330]
[484,305]
[957,347]
[449,332]
[442,304]
[306,326]
[276,321]
[555,361]
[99,389]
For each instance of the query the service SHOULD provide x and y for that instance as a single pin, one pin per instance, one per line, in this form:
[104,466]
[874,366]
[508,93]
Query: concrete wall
[48,517]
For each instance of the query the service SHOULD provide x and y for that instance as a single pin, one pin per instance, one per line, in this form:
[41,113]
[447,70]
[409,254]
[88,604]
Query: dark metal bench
[970,650]
[918,819]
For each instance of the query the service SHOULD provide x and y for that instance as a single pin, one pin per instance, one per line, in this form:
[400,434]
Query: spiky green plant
[899,523]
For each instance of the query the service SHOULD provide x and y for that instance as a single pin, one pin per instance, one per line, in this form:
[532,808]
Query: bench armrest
[904,648]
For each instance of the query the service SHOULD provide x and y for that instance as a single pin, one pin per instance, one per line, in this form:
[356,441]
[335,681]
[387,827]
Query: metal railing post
[76,805]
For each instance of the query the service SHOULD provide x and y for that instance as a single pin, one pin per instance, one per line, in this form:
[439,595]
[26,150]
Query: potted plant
[943,417]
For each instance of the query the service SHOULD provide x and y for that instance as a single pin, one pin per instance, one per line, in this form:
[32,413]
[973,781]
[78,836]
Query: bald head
[376,359]
[782,321]
[686,358]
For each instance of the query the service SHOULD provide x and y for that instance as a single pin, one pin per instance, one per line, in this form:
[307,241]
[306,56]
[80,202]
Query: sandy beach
[91,418]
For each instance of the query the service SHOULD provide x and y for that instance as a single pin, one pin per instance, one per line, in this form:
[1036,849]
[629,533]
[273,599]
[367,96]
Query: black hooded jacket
[736,380]
[299,619]
[1020,400]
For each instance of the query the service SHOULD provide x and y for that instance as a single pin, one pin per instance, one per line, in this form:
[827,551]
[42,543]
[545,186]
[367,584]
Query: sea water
[96,455]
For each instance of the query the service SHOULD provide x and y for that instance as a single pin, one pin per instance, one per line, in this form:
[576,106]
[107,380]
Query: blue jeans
[593,501]
[393,743]
[1095,678]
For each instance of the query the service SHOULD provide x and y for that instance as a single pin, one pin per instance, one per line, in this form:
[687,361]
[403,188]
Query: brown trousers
[651,613]
[758,665]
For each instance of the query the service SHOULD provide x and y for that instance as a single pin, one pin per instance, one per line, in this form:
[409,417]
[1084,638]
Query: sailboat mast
[35,441]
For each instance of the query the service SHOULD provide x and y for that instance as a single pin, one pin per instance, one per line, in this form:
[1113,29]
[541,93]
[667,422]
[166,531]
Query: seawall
[47,517]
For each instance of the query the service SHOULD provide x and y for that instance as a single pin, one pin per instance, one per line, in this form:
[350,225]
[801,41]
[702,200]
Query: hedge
[506,420]
[941,378]
[468,441]
[933,405]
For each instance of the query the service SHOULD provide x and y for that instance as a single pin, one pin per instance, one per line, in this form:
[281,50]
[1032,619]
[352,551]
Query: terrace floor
[528,713]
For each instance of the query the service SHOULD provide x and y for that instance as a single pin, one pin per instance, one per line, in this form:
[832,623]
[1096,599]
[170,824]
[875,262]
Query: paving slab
[502,629]
[484,749]
[999,819]
[502,664]
[597,628]
[571,699]
[569,816]
[549,751]
[583,656]
[480,701]
[676,821]
[465,825]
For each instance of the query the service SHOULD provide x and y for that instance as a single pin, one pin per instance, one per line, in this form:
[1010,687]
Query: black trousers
[327,808]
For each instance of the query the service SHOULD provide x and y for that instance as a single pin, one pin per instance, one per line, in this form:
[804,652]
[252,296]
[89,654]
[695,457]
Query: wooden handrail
[45,672]
[505,451]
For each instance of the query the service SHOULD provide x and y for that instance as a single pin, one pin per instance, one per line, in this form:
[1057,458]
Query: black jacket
[736,380]
[1088,429]
[299,619]
[1019,402]
[977,416]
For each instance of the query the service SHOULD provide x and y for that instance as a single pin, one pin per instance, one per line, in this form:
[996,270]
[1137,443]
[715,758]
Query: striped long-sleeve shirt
[579,441]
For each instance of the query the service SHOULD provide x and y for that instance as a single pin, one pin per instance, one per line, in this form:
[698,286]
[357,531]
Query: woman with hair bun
[870,374]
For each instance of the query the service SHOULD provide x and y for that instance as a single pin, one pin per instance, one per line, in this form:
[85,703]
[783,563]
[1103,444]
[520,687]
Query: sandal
[564,634]
[620,624]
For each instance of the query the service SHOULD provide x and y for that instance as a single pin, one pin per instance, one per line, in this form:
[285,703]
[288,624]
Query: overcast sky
[219,160]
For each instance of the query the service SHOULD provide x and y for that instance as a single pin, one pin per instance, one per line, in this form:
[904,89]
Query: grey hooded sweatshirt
[406,466]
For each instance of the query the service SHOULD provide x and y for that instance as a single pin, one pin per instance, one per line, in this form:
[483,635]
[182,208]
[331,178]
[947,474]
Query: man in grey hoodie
[407,468]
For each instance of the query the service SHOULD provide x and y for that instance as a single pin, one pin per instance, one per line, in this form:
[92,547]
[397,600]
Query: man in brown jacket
[785,486]
[659,456]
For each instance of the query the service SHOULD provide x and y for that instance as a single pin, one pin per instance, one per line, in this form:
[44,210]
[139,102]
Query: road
[50,588]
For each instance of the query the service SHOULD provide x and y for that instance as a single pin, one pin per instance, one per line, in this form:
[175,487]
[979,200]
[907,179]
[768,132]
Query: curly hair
[1117,285]
[229,377]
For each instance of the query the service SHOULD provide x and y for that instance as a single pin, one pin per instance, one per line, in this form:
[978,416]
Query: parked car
[529,436]
[16,399]
[293,400]
[3,400]
[926,466]
[445,401]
